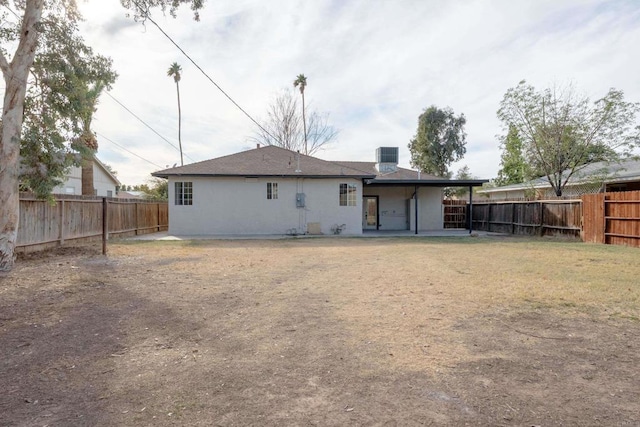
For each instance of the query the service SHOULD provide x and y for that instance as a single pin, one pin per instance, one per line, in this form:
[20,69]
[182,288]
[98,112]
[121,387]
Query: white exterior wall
[394,201]
[102,182]
[73,184]
[226,206]
[392,206]
[430,210]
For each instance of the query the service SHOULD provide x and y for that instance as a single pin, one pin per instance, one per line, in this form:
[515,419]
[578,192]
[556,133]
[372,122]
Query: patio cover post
[470,209]
[415,207]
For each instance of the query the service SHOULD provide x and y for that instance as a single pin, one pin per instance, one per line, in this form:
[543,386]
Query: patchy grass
[324,331]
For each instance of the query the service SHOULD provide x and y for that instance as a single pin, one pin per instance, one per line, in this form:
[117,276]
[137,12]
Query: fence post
[158,205]
[136,216]
[604,217]
[541,219]
[513,217]
[61,222]
[105,224]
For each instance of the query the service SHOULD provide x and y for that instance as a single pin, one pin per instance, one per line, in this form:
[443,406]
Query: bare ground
[336,331]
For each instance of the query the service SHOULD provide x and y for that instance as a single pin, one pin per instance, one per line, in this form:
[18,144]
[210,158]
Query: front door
[370,214]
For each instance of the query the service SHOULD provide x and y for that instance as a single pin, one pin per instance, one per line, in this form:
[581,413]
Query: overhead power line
[147,16]
[145,123]
[128,151]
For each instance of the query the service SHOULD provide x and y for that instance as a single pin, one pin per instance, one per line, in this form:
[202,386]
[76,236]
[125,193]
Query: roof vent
[387,159]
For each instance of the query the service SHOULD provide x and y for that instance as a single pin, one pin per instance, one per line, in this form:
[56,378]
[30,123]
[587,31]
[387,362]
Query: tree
[561,130]
[175,71]
[283,126]
[157,189]
[439,141]
[463,173]
[301,81]
[89,95]
[514,168]
[22,37]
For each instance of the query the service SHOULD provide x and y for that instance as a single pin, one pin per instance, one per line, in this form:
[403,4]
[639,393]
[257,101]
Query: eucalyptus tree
[21,40]
[175,71]
[439,141]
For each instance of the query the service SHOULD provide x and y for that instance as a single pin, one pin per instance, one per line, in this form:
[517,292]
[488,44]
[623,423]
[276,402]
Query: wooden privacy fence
[455,214]
[612,218]
[540,217]
[44,224]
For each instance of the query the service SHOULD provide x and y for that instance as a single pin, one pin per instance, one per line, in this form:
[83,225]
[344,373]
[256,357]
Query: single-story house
[131,194]
[271,190]
[591,178]
[104,182]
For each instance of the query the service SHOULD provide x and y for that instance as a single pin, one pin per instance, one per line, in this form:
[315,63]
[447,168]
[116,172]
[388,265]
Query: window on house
[184,193]
[348,194]
[109,193]
[272,190]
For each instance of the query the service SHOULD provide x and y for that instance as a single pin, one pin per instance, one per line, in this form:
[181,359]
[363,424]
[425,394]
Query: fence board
[455,213]
[622,218]
[44,224]
[529,217]
[593,218]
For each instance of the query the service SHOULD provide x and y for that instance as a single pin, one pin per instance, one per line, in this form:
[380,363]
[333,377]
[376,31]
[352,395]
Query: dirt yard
[326,332]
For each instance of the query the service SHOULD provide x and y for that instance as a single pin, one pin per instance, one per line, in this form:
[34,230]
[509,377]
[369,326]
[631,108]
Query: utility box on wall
[300,200]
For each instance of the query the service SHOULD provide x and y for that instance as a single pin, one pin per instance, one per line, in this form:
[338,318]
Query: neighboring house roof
[275,161]
[604,172]
[106,170]
[131,194]
[265,161]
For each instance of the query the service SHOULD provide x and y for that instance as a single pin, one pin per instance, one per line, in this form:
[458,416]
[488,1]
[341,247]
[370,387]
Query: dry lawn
[326,331]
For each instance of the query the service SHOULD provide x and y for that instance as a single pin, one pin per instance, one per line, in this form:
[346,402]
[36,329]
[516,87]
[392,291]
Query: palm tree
[301,81]
[175,71]
[88,144]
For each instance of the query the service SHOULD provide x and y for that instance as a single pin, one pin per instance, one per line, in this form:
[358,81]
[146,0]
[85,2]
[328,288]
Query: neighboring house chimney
[387,159]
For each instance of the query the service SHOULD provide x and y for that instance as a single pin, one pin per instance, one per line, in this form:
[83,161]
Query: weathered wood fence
[541,217]
[612,218]
[455,214]
[71,218]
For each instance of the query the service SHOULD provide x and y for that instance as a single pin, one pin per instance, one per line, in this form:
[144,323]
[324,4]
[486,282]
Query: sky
[372,65]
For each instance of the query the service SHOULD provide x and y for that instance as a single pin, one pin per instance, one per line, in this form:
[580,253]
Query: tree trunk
[304,125]
[179,125]
[15,76]
[88,189]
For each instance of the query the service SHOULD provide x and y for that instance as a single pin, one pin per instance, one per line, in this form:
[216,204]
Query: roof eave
[314,176]
[428,182]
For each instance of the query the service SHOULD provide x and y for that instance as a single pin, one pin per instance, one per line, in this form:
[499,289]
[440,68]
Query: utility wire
[147,16]
[11,10]
[144,123]
[128,151]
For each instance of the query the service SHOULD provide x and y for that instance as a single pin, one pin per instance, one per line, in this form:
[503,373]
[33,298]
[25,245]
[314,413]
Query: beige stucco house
[104,182]
[271,190]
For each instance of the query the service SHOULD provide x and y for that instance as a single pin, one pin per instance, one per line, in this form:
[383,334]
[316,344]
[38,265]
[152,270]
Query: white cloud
[374,65]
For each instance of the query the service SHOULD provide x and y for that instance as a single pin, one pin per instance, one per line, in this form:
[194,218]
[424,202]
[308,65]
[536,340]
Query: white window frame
[272,191]
[347,195]
[183,193]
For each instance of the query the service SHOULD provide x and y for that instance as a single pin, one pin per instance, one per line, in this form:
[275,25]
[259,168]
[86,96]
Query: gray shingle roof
[276,161]
[266,161]
[626,170]
[400,173]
